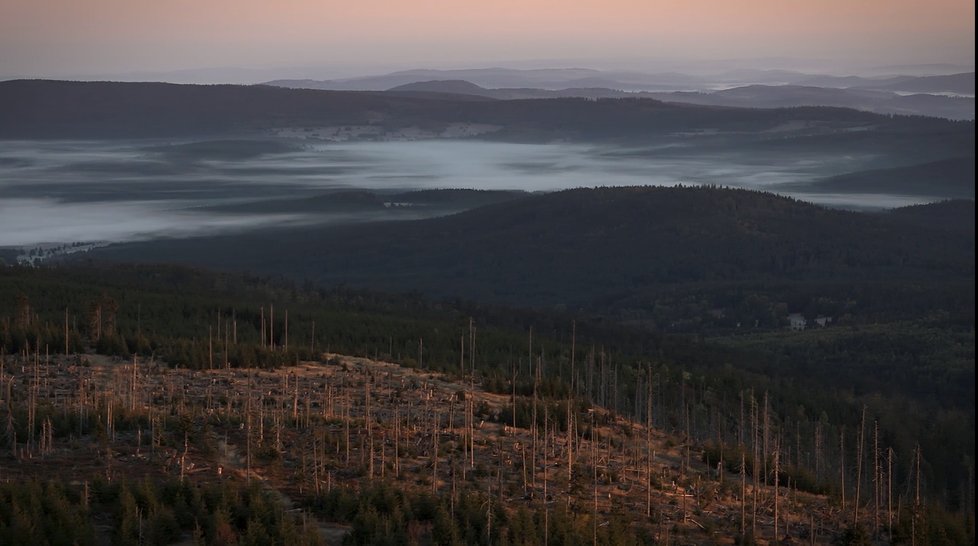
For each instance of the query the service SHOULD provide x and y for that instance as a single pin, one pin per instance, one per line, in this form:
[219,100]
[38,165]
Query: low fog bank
[72,191]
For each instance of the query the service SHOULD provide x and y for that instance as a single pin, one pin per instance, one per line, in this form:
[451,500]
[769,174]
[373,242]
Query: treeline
[147,513]
[41,513]
[380,514]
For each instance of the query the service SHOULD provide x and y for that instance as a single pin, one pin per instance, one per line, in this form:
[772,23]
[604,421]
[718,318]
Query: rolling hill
[590,247]
[953,177]
[948,96]
[866,99]
[751,96]
[58,109]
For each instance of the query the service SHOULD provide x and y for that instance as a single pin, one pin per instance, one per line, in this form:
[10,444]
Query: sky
[78,38]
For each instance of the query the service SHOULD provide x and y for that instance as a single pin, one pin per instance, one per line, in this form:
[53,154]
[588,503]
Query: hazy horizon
[251,41]
[247,75]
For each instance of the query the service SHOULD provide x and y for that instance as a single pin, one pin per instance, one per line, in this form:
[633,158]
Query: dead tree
[546,507]
[818,451]
[842,466]
[777,493]
[434,452]
[570,414]
[876,478]
[756,469]
[594,486]
[743,493]
[916,499]
[889,493]
[859,468]
[649,453]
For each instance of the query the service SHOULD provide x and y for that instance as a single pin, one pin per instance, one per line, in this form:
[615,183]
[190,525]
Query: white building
[797,321]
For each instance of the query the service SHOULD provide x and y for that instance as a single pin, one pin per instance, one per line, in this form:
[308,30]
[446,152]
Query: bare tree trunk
[594,487]
[743,494]
[859,468]
[818,451]
[227,362]
[889,494]
[777,492]
[740,425]
[876,478]
[397,443]
[515,371]
[916,499]
[434,453]
[570,415]
[346,429]
[523,456]
[649,454]
[472,346]
[767,436]
[842,466]
[533,456]
[472,429]
[757,468]
[248,397]
[570,445]
[811,529]
[368,424]
[546,507]
[132,386]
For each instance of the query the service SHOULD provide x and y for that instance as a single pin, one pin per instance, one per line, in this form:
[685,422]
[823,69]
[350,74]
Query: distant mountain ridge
[548,78]
[874,94]
[554,79]
[963,83]
[751,96]
[59,109]
[463,87]
[869,100]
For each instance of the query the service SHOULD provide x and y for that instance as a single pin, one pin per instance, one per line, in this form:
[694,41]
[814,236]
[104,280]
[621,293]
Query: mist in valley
[117,191]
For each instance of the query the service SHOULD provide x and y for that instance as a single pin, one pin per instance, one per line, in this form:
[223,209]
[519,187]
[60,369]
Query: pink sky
[54,37]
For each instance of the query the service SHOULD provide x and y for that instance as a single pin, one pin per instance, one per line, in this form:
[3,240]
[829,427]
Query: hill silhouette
[59,109]
[954,177]
[582,247]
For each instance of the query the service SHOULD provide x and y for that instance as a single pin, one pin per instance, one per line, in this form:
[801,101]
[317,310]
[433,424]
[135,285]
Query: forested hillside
[618,250]
[61,109]
[811,388]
